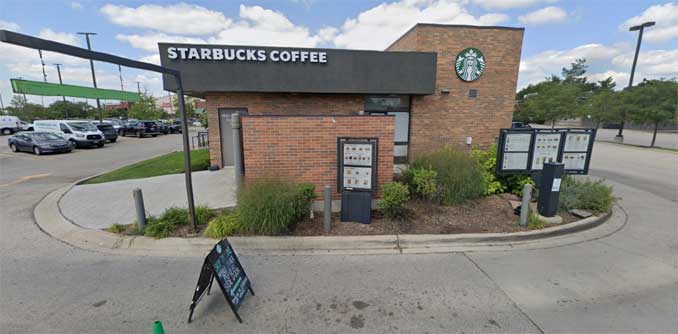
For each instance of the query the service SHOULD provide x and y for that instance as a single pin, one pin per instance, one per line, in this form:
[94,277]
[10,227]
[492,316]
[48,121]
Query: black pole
[58,66]
[187,150]
[122,87]
[640,29]
[94,77]
[138,88]
[44,75]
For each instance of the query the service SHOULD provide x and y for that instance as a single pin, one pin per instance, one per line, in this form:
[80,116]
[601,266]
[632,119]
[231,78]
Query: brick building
[440,85]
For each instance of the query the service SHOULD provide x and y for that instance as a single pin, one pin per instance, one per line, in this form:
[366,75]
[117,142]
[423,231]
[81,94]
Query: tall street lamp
[640,29]
[91,65]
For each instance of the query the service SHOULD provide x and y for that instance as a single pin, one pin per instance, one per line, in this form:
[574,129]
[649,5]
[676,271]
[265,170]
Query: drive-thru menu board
[524,151]
[357,167]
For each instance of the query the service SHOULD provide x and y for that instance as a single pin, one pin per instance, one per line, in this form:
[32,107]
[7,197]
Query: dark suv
[140,129]
[108,130]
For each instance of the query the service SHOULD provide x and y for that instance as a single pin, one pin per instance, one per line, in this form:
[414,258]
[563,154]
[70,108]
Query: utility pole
[138,87]
[91,65]
[44,76]
[120,73]
[639,28]
[58,66]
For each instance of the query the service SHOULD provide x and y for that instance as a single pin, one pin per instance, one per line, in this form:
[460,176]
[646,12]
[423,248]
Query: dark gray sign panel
[224,68]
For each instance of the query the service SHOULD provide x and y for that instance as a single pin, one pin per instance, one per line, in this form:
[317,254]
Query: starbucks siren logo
[470,64]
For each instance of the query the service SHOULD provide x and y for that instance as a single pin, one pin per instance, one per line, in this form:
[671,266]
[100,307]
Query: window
[64,128]
[398,106]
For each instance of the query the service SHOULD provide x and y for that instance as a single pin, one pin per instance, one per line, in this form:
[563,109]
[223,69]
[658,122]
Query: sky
[556,33]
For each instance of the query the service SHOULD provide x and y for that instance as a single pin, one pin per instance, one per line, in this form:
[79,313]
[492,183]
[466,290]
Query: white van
[82,133]
[9,125]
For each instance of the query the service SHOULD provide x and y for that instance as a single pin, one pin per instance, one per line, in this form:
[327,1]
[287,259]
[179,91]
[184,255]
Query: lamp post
[639,28]
[91,65]
[58,66]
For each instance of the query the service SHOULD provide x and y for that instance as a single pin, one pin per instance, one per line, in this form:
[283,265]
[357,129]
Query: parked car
[611,125]
[81,133]
[140,129]
[25,126]
[174,127]
[39,143]
[108,130]
[117,124]
[9,125]
[162,127]
[520,125]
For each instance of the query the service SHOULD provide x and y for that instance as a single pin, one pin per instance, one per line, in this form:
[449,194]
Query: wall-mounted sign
[525,151]
[469,64]
[243,54]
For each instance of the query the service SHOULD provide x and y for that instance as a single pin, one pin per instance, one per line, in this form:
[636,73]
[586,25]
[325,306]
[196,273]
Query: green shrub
[394,197]
[157,228]
[585,194]
[203,214]
[175,216]
[225,224]
[495,184]
[117,228]
[459,176]
[533,222]
[421,182]
[271,206]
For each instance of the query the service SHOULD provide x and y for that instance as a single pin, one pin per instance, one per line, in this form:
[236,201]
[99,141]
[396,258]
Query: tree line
[651,102]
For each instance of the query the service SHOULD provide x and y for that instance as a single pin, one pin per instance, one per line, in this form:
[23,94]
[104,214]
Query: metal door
[226,133]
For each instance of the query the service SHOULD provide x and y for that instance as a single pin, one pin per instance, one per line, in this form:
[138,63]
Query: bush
[533,222]
[495,184]
[271,206]
[203,215]
[586,195]
[117,228]
[225,224]
[175,216]
[394,197]
[459,177]
[158,228]
[421,182]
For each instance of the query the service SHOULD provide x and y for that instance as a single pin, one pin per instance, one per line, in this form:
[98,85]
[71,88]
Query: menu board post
[356,177]
[222,265]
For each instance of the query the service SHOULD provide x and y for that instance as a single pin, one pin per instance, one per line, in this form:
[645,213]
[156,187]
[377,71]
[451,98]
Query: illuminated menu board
[545,149]
[357,177]
[358,154]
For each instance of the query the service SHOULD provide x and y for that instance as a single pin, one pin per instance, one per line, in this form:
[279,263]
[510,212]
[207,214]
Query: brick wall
[304,148]
[438,119]
[278,104]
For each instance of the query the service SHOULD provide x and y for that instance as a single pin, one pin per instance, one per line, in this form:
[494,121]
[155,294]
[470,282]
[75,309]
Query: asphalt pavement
[626,282]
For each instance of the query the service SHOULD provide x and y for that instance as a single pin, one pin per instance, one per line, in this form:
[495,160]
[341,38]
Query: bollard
[327,218]
[525,205]
[141,211]
[157,327]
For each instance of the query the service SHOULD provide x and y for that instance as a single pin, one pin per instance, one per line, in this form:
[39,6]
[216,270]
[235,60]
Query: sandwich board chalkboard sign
[223,265]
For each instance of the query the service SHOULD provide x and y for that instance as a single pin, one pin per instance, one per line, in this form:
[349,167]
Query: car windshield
[149,123]
[104,126]
[82,126]
[43,136]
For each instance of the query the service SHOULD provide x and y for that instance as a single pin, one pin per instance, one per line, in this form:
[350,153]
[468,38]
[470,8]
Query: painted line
[25,178]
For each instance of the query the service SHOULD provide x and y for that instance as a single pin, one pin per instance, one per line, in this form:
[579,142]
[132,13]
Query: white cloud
[174,19]
[9,25]
[377,27]
[76,5]
[506,4]
[620,78]
[149,41]
[153,59]
[261,26]
[666,17]
[654,62]
[550,14]
[61,37]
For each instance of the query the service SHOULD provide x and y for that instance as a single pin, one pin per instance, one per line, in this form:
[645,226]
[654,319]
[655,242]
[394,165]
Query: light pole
[58,66]
[91,65]
[639,28]
[120,73]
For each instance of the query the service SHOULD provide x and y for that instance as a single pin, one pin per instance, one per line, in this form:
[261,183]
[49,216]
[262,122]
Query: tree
[575,74]
[654,102]
[145,108]
[553,101]
[25,110]
[66,109]
[189,104]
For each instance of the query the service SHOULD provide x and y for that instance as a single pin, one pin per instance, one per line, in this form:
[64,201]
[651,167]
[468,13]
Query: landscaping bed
[491,214]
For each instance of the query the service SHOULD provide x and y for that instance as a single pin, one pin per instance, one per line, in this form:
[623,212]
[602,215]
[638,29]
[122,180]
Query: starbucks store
[435,85]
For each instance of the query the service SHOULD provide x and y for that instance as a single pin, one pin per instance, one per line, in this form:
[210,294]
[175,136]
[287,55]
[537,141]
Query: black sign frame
[341,141]
[208,274]
[563,132]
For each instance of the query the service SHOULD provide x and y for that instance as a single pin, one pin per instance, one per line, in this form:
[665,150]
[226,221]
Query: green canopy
[51,89]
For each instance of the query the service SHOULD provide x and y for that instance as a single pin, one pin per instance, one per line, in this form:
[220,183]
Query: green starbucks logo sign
[470,64]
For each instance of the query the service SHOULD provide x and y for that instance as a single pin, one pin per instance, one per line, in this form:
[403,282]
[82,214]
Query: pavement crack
[398,247]
[504,292]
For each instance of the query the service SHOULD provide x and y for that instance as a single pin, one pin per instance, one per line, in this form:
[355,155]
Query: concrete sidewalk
[101,205]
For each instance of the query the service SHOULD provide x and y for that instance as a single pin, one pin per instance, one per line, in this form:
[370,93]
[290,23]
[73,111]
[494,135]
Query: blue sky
[556,32]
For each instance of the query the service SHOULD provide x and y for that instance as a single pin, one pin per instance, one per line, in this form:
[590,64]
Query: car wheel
[12,147]
[6,131]
[114,140]
[37,150]
[100,145]
[154,135]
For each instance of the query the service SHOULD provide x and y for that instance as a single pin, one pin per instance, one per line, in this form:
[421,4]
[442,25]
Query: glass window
[387,103]
[82,126]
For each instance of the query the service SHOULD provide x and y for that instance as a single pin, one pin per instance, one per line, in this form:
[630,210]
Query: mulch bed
[492,214]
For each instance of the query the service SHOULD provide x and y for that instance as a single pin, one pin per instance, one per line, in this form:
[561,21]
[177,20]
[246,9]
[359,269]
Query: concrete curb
[50,220]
